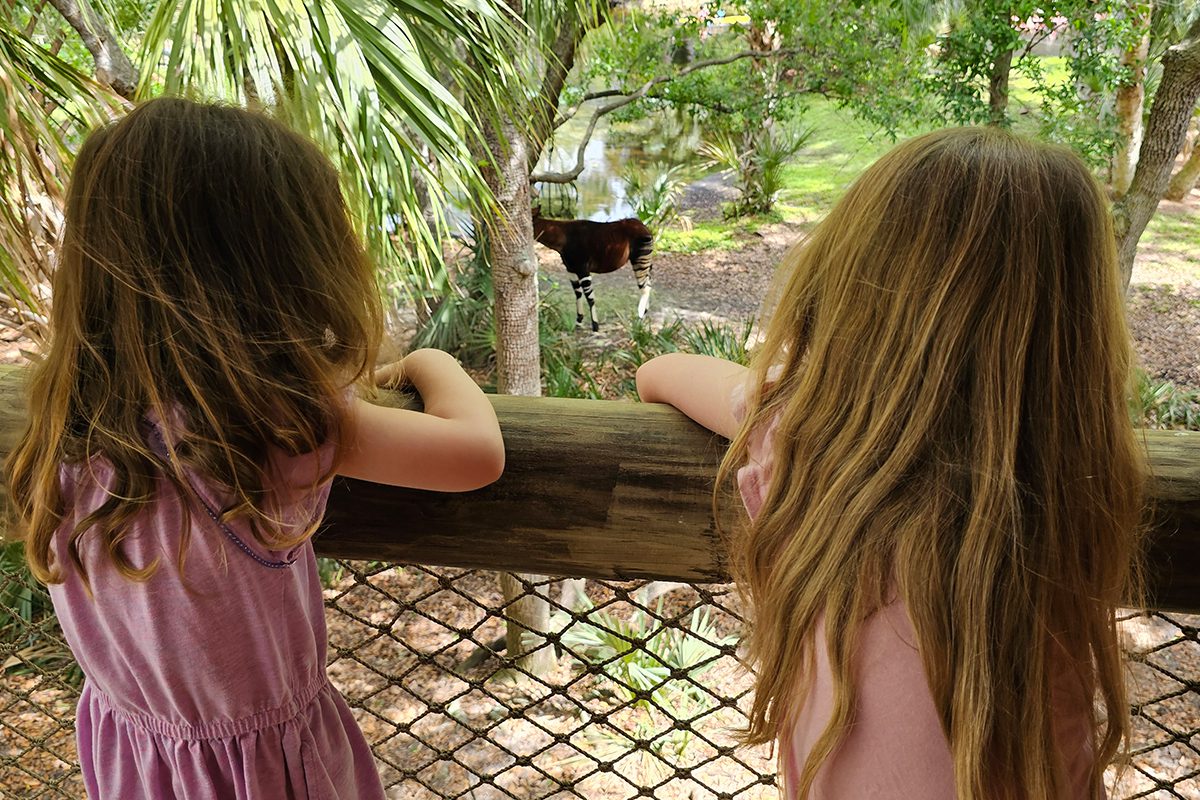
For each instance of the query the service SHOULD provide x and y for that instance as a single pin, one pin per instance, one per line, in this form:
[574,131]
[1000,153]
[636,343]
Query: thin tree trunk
[1189,142]
[514,266]
[1169,117]
[1185,180]
[764,36]
[560,59]
[113,67]
[1130,98]
[518,358]
[998,89]
[570,33]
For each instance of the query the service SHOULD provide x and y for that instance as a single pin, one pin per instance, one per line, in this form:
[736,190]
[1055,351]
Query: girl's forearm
[699,386]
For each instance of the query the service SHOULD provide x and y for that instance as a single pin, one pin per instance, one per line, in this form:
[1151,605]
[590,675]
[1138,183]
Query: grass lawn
[842,146]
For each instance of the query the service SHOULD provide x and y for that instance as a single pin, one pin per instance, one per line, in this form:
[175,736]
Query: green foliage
[654,193]
[640,655]
[841,147]
[49,104]
[461,318]
[28,629]
[864,55]
[576,364]
[1163,405]
[859,54]
[1073,104]
[720,340]
[565,368]
[756,164]
[329,572]
[702,236]
[366,80]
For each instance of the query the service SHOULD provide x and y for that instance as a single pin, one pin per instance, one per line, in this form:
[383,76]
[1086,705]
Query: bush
[1163,405]
[654,193]
[29,634]
[756,164]
[461,320]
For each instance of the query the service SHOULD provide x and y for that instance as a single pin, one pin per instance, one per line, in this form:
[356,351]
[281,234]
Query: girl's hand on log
[390,376]
[453,446]
[699,386]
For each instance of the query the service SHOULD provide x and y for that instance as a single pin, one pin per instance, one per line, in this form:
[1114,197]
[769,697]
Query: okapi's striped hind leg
[586,283]
[643,281]
[640,261]
[578,300]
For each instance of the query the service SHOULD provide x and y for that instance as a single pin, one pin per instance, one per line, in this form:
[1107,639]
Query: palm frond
[47,106]
[365,81]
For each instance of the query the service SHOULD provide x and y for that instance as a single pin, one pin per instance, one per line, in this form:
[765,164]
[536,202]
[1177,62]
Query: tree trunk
[998,89]
[1185,180]
[763,36]
[570,33]
[1189,141]
[1130,97]
[1169,117]
[514,266]
[559,61]
[518,358]
[113,67]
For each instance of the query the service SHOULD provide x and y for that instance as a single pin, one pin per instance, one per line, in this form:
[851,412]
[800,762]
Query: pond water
[615,151]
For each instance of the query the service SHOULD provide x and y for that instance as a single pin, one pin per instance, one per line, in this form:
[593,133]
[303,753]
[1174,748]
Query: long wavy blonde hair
[209,274]
[952,427]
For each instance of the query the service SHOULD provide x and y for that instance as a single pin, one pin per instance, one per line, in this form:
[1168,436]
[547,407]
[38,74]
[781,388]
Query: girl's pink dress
[895,749]
[208,685]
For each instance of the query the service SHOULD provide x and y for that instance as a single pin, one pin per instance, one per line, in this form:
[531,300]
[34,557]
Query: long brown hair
[209,274]
[953,427]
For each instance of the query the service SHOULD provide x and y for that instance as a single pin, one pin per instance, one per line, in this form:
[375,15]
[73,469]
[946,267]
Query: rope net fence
[641,693]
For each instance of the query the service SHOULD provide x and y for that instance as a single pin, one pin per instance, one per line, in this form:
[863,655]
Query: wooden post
[619,490]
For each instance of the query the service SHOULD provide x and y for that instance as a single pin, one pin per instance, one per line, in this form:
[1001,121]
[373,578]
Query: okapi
[588,247]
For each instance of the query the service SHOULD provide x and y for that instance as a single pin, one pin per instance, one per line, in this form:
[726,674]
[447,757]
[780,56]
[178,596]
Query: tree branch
[570,34]
[625,99]
[1166,130]
[113,67]
[712,62]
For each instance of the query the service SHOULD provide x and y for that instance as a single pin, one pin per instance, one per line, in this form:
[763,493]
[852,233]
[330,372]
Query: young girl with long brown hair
[212,311]
[942,481]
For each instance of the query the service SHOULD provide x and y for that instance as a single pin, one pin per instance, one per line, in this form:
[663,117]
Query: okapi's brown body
[588,247]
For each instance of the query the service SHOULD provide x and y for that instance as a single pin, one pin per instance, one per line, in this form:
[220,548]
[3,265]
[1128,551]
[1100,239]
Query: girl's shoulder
[754,477]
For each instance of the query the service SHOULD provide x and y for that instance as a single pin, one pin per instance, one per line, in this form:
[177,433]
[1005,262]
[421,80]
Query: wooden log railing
[623,490]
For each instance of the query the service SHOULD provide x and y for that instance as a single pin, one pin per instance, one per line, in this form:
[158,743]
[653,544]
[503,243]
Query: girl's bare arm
[699,386]
[454,446]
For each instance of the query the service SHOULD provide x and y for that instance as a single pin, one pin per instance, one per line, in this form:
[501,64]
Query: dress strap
[159,445]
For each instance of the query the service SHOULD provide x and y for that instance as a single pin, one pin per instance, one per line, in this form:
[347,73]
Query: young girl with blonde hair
[212,311]
[942,481]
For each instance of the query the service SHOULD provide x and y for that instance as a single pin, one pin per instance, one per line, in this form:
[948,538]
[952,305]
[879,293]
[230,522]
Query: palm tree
[47,104]
[366,80]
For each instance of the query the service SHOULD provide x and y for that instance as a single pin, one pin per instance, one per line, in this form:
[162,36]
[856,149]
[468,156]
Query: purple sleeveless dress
[208,684]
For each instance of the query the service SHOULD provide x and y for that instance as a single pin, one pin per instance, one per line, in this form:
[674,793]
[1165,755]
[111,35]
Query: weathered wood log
[623,490]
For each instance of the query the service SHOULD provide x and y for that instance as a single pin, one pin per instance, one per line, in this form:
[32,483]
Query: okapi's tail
[639,259]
